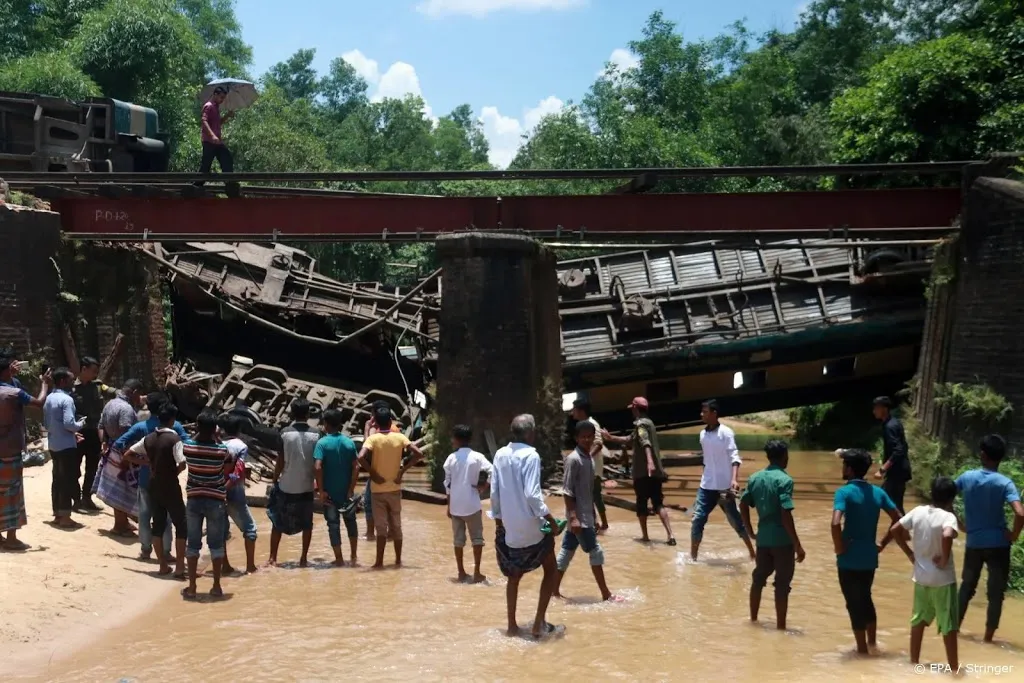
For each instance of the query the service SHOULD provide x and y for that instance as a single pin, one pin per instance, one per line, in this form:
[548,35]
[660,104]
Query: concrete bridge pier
[499,352]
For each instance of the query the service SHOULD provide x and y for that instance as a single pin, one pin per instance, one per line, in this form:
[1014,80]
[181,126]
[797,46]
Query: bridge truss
[170,207]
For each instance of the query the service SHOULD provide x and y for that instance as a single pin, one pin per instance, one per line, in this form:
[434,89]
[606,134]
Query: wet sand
[70,587]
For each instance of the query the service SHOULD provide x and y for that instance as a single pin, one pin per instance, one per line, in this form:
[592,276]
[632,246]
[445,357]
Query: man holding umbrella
[213,145]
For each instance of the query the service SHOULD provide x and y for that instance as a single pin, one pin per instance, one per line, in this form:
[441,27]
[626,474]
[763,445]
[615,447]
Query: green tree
[47,74]
[18,20]
[134,49]
[835,43]
[295,77]
[459,141]
[225,53]
[342,89]
[924,102]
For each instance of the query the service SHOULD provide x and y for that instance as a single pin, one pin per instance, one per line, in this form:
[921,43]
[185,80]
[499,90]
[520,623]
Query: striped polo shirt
[205,462]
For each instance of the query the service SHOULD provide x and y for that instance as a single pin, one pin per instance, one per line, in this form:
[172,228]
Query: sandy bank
[70,587]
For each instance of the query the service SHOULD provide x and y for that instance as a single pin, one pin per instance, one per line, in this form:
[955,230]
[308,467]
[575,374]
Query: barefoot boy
[771,492]
[336,470]
[933,528]
[462,472]
[578,486]
[859,504]
[208,463]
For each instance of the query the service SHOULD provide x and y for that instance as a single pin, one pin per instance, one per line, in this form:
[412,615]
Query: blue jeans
[145,521]
[585,539]
[238,511]
[215,514]
[334,517]
[706,502]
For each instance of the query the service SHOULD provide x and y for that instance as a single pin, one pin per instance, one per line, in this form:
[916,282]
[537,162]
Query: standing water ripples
[679,620]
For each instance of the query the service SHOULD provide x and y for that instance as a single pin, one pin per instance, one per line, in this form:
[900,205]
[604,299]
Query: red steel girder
[412,217]
[263,217]
[778,212]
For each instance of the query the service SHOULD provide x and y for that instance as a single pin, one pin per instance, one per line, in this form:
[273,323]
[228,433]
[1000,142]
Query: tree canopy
[854,81]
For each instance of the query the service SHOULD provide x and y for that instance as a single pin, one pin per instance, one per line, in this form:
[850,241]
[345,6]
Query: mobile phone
[45,369]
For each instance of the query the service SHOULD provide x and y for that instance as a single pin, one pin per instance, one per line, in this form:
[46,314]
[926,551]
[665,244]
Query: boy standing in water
[208,463]
[933,528]
[386,470]
[238,506]
[336,470]
[771,492]
[986,494]
[462,472]
[578,487]
[858,503]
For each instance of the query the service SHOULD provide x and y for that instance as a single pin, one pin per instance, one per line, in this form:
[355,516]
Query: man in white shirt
[290,507]
[517,506]
[462,472]
[719,484]
[935,598]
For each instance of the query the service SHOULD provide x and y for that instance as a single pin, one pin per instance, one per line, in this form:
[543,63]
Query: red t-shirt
[211,115]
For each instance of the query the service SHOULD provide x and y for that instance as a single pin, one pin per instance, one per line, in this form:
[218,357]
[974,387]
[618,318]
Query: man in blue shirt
[336,468]
[986,494]
[62,433]
[136,433]
[859,504]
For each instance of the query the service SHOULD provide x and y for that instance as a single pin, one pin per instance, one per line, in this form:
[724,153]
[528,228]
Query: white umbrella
[240,94]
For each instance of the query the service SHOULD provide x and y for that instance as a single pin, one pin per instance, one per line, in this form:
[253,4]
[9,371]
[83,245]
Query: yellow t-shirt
[387,452]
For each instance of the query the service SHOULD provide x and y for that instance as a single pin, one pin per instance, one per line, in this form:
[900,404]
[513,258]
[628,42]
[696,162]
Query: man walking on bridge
[213,144]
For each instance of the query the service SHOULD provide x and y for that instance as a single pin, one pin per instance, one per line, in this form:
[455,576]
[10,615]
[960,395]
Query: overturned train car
[40,133]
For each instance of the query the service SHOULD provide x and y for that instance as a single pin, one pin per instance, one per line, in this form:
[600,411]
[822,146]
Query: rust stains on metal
[276,286]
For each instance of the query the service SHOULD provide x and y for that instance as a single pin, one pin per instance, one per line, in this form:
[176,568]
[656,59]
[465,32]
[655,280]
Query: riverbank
[70,587]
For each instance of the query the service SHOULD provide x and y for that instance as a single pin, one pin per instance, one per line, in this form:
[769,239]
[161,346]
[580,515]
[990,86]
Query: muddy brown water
[679,620]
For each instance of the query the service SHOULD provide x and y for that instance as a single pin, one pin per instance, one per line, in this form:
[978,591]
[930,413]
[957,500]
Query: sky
[512,61]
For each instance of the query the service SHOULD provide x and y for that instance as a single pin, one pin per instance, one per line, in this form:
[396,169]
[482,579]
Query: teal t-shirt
[338,454]
[861,503]
[770,491]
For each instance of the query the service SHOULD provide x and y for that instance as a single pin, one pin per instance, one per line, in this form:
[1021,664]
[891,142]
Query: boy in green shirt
[771,492]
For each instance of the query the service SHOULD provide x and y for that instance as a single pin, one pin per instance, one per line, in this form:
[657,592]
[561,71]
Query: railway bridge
[763,300]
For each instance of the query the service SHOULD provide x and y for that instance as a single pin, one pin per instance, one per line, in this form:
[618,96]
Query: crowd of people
[133,464]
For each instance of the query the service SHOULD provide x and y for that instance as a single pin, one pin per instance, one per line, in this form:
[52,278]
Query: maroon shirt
[211,115]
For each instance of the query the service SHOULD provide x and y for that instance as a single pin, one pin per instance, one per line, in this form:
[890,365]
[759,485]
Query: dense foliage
[855,81]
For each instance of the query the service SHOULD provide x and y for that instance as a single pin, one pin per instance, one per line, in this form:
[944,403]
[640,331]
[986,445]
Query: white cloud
[505,134]
[399,80]
[622,59]
[481,8]
[364,66]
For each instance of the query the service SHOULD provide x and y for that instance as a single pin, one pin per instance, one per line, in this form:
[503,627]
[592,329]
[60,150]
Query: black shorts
[648,489]
[166,501]
[778,560]
[856,586]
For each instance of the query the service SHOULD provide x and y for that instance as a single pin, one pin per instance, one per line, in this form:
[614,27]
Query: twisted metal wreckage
[641,304]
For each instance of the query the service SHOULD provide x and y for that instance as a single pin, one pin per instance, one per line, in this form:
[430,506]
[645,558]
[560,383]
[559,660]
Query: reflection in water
[679,620]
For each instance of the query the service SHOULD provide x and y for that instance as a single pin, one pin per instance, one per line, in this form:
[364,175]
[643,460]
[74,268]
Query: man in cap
[648,474]
[895,456]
